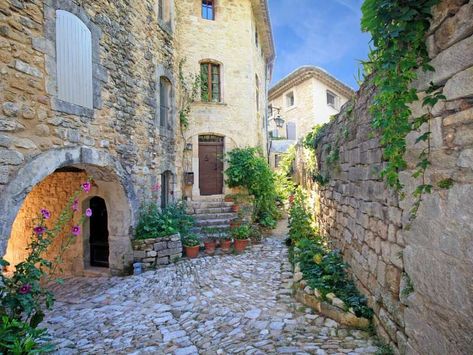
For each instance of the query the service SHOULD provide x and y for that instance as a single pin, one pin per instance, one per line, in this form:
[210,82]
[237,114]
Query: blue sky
[325,33]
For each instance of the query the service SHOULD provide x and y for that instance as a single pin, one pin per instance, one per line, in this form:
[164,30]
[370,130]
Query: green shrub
[300,217]
[154,223]
[191,240]
[241,232]
[249,169]
[17,337]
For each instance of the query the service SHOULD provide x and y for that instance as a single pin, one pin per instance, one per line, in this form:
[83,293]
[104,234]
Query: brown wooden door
[211,167]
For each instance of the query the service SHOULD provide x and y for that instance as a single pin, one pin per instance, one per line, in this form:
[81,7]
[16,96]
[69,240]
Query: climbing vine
[398,29]
[189,89]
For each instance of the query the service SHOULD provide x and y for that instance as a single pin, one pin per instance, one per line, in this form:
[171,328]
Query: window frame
[165,111]
[286,96]
[210,83]
[335,99]
[207,6]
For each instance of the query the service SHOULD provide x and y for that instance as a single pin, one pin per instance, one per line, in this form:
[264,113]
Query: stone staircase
[211,212]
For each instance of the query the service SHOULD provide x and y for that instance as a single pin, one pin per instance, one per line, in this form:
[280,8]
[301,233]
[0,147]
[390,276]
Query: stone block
[163,261]
[10,157]
[174,245]
[455,28]
[151,253]
[139,254]
[393,278]
[460,85]
[27,69]
[465,160]
[160,246]
[149,260]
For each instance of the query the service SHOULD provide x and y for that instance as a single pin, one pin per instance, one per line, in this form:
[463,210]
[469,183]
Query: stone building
[306,97]
[89,88]
[229,43]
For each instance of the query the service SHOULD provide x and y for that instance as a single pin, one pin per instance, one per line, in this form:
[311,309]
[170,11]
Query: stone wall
[121,134]
[370,223]
[157,252]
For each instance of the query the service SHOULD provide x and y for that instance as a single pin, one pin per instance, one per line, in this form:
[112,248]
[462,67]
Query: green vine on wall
[189,89]
[398,29]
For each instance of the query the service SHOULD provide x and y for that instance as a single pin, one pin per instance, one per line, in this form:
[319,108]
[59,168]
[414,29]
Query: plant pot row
[210,246]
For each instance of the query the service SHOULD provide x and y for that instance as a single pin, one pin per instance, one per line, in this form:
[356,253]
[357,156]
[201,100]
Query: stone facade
[152,253]
[417,275]
[238,117]
[119,141]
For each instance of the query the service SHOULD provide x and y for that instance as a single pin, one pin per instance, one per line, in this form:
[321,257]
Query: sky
[324,33]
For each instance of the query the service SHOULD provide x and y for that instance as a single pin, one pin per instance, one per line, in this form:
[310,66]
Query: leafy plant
[398,31]
[191,240]
[445,183]
[189,88]
[156,223]
[300,217]
[249,169]
[241,232]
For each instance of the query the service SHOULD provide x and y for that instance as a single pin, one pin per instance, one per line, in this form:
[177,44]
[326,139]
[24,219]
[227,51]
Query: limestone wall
[370,223]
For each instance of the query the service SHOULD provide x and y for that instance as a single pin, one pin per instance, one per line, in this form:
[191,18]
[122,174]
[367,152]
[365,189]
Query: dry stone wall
[417,276]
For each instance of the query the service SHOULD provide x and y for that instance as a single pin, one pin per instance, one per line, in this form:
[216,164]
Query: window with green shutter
[210,82]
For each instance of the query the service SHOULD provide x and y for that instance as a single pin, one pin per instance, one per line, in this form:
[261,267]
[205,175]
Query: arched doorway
[47,181]
[98,233]
[211,149]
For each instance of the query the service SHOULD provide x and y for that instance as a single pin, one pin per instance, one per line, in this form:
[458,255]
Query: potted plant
[209,241]
[235,223]
[191,246]
[225,242]
[241,235]
[228,198]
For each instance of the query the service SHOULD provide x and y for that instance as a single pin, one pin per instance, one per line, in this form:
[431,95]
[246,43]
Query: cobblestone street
[233,304]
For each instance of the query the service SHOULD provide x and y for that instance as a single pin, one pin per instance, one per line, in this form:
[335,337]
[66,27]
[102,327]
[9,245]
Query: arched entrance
[98,233]
[47,181]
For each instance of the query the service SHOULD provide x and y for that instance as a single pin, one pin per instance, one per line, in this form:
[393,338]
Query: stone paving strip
[231,304]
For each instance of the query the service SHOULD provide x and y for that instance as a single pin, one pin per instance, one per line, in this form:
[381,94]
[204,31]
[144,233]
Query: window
[73,60]
[291,133]
[166,189]
[270,110]
[277,159]
[256,37]
[165,90]
[257,93]
[164,11]
[208,9]
[210,82]
[331,99]
[290,99]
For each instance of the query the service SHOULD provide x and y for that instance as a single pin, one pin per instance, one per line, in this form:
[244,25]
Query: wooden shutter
[73,60]
[291,131]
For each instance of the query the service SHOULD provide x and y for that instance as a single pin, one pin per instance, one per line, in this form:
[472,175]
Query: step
[213,198]
[224,215]
[221,229]
[213,222]
[199,204]
[198,211]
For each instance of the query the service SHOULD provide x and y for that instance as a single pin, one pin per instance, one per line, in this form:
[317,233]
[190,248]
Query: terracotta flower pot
[241,244]
[210,247]
[228,199]
[235,208]
[225,245]
[235,223]
[192,252]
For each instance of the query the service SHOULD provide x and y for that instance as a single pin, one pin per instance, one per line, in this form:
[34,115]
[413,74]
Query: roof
[305,73]
[261,9]
[281,145]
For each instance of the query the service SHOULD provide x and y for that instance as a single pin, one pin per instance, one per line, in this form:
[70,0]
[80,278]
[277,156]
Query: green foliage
[241,232]
[23,296]
[313,137]
[383,348]
[445,183]
[248,168]
[325,270]
[398,31]
[154,223]
[191,240]
[300,217]
[189,87]
[284,183]
[409,286]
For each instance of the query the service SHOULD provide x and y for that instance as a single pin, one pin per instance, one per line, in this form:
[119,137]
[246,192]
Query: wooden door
[211,165]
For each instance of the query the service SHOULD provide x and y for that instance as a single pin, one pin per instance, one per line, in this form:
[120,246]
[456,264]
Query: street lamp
[279,121]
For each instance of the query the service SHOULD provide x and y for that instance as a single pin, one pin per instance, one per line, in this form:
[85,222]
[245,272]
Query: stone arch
[111,182]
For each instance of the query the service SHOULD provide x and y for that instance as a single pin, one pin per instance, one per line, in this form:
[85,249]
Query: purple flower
[88,212]
[86,186]
[75,231]
[156,187]
[39,230]
[26,288]
[46,214]
[75,205]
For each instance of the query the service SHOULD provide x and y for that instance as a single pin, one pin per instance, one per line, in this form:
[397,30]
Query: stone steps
[211,212]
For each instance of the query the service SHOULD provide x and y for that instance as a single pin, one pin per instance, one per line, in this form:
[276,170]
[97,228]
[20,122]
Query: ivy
[398,29]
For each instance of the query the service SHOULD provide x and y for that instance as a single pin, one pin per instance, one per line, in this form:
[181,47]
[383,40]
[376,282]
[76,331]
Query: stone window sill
[73,109]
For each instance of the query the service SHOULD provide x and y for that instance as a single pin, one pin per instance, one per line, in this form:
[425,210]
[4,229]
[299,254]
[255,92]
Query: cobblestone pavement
[232,304]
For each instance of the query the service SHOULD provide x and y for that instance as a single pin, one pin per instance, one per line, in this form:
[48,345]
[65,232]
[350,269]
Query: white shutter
[73,60]
[291,131]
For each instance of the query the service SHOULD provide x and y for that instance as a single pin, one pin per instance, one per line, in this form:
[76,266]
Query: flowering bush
[23,297]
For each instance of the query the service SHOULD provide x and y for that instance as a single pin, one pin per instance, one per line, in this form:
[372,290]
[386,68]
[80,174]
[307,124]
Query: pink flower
[26,288]
[156,187]
[39,230]
[88,212]
[75,231]
[75,205]
[86,187]
[46,214]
